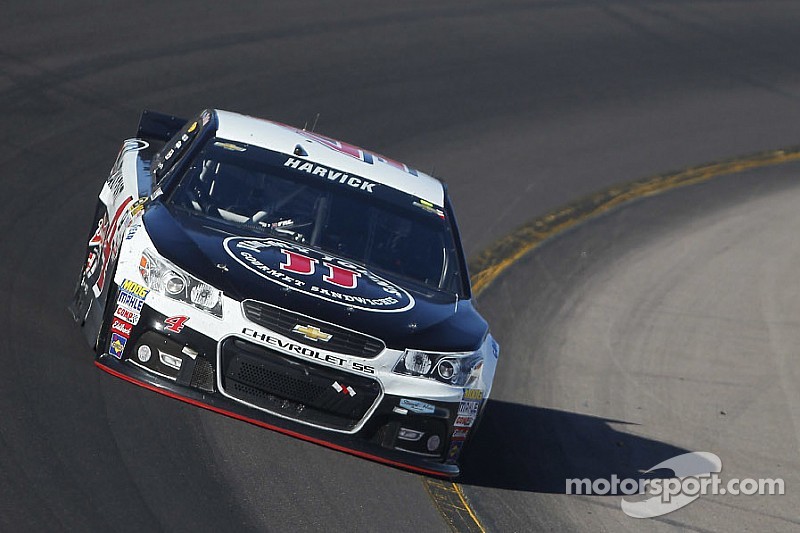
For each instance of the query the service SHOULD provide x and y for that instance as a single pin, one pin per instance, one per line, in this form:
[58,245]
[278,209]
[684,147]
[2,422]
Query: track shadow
[519,447]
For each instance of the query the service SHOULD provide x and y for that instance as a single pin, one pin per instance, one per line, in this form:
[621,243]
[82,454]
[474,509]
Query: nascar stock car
[290,280]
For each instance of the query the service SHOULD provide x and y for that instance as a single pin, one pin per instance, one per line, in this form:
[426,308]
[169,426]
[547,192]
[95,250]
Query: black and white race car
[290,280]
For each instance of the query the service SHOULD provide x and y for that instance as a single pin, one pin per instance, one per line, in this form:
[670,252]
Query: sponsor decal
[230,146]
[464,421]
[471,400]
[135,289]
[425,205]
[337,275]
[175,323]
[330,174]
[127,315]
[132,231]
[344,389]
[117,345]
[311,333]
[138,206]
[460,433]
[132,302]
[121,327]
[469,408]
[472,394]
[305,351]
[417,406]
[455,450]
[132,295]
[319,275]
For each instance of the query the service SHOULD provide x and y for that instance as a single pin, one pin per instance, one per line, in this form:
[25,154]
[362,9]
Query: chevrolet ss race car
[290,280]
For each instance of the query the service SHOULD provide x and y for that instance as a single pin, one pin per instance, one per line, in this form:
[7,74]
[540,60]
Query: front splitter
[219,404]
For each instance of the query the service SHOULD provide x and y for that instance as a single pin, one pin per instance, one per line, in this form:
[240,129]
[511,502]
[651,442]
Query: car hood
[320,285]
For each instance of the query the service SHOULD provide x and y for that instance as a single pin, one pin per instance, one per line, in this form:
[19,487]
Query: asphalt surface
[521,107]
[665,327]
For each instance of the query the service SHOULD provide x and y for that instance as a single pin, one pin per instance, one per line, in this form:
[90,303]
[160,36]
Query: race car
[289,280]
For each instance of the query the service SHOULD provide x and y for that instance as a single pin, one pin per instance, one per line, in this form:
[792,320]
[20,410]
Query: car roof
[323,150]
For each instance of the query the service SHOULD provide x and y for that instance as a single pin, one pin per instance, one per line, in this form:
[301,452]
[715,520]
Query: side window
[176,148]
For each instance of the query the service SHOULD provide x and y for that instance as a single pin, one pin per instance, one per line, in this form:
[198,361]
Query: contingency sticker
[121,327]
[455,450]
[132,295]
[127,315]
[117,345]
[429,207]
[417,406]
[468,411]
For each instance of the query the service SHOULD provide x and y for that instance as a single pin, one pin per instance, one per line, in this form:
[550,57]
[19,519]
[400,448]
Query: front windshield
[247,189]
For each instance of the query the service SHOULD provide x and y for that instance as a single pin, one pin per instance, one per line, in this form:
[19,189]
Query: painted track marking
[488,265]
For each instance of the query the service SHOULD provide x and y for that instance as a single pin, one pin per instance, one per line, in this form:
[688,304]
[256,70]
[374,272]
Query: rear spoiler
[158,126]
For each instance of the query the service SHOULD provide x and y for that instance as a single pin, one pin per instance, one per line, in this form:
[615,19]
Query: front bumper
[387,428]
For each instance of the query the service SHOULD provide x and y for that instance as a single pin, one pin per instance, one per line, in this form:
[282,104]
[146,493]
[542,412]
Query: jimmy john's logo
[317,274]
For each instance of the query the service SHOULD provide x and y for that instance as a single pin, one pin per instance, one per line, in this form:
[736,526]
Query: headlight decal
[173,282]
[459,369]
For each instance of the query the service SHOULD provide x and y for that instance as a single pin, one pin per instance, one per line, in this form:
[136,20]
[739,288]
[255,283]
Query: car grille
[293,388]
[342,340]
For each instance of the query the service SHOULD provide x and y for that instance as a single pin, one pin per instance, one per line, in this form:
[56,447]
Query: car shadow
[525,448]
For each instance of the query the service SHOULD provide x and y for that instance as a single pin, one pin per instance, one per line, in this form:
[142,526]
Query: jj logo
[337,275]
[318,274]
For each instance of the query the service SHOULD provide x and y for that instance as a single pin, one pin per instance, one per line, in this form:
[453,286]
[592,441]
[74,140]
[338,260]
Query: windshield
[251,190]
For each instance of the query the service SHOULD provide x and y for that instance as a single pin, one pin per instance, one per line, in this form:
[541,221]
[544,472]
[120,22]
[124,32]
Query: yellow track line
[492,262]
[468,508]
[453,506]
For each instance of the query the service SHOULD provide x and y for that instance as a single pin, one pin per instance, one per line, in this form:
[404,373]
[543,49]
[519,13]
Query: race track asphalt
[623,341]
[668,326]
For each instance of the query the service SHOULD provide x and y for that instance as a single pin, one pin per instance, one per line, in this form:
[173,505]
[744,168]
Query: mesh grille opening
[295,388]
